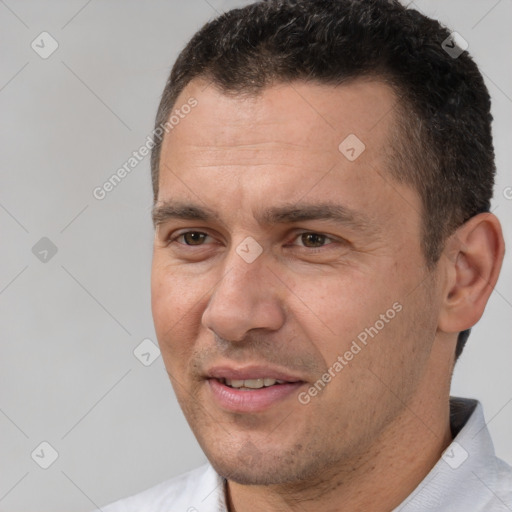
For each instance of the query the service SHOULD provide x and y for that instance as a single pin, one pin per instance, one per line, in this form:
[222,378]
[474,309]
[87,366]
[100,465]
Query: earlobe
[472,258]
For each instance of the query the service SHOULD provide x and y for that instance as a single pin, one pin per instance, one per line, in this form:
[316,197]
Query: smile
[248,384]
[250,395]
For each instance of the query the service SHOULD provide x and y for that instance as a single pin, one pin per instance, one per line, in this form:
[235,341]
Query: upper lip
[250,372]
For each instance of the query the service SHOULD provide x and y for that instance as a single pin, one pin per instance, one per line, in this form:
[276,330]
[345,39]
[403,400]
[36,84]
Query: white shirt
[468,478]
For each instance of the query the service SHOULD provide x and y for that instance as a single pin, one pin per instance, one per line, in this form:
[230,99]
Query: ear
[472,259]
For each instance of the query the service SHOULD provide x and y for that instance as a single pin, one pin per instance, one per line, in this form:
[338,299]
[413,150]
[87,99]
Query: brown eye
[313,240]
[192,237]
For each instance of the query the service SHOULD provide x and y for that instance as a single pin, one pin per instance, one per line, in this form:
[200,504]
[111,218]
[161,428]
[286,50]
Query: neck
[379,480]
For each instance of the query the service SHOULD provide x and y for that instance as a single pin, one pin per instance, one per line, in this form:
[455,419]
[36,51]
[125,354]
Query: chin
[251,467]
[245,475]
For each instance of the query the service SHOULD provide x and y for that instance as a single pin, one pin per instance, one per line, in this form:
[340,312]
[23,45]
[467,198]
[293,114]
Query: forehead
[311,115]
[241,153]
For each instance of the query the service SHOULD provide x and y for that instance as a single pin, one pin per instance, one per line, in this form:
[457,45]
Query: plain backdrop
[71,319]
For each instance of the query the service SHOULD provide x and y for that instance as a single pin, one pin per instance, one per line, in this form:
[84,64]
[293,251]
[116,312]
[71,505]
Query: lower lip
[237,400]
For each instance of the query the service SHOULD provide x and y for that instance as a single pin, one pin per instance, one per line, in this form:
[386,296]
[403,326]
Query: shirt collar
[455,482]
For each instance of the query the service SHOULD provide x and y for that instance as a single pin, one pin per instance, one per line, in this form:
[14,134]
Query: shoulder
[497,481]
[186,491]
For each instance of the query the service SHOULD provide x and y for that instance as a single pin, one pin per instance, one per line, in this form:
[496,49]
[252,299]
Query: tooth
[253,383]
[235,383]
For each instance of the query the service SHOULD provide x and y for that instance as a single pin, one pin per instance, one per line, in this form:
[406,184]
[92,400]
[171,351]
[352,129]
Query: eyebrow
[164,211]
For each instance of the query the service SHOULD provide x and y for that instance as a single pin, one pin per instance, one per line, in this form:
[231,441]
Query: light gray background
[70,325]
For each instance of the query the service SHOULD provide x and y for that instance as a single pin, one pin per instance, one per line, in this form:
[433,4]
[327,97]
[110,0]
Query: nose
[247,297]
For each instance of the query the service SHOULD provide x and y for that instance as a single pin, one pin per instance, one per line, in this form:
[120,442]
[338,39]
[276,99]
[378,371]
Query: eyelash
[174,238]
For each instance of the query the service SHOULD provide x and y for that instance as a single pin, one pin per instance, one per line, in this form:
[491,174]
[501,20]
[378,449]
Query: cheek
[175,304]
[335,310]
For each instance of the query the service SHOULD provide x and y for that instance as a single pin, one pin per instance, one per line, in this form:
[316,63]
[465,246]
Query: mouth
[250,384]
[250,390]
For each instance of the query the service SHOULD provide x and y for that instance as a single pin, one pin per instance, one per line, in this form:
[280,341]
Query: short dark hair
[443,145]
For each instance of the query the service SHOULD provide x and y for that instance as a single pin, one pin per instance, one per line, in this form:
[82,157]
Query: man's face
[246,295]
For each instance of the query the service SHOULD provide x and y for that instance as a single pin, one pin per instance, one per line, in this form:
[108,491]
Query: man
[322,176]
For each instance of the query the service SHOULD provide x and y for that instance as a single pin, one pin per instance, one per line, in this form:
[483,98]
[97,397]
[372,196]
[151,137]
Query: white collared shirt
[468,478]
